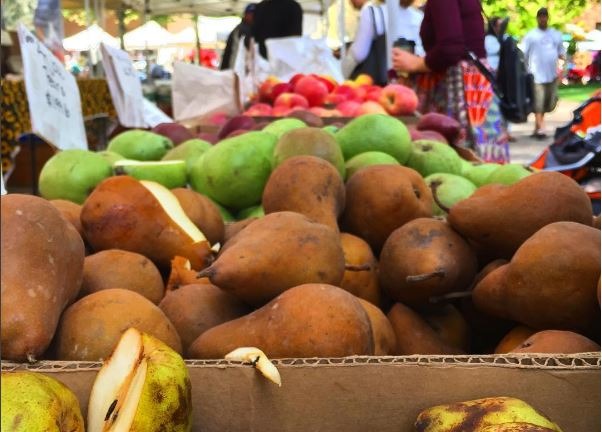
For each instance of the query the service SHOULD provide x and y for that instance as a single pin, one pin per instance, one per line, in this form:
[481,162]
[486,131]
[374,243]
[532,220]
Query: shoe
[540,136]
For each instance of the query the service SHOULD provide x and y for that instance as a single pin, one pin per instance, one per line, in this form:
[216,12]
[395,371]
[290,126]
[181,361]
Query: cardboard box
[365,394]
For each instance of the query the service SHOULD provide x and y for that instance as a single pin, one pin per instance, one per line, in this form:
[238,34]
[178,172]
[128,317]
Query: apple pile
[323,96]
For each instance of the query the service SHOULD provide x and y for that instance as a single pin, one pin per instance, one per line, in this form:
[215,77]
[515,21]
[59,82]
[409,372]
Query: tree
[522,13]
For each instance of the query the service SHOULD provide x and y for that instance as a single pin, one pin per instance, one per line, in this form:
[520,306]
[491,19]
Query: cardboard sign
[124,85]
[53,96]
[153,115]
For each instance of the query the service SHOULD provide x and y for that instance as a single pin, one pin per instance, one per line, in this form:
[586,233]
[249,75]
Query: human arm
[364,35]
[404,61]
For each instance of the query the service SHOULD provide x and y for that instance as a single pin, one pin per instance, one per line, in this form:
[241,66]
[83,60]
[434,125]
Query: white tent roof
[210,30]
[89,38]
[148,36]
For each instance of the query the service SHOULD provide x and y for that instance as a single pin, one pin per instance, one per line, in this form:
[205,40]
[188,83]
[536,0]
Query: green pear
[140,144]
[331,129]
[32,401]
[367,159]
[251,212]
[282,126]
[375,132]
[171,174]
[143,386]
[508,174]
[478,174]
[448,189]
[235,171]
[112,157]
[430,157]
[465,166]
[72,175]
[189,151]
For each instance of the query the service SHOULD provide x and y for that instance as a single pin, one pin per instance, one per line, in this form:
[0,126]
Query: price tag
[153,115]
[124,85]
[53,96]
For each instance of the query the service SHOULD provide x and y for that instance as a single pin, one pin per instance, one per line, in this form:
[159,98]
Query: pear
[497,217]
[556,342]
[233,228]
[275,253]
[256,211]
[478,173]
[110,157]
[551,281]
[475,415]
[449,324]
[425,258]
[430,157]
[142,217]
[309,320]
[203,212]
[307,185]
[508,174]
[72,174]
[513,339]
[516,427]
[380,199]
[368,158]
[181,274]
[71,212]
[189,151]
[32,401]
[385,341]
[281,126]
[143,386]
[140,145]
[447,190]
[171,174]
[361,277]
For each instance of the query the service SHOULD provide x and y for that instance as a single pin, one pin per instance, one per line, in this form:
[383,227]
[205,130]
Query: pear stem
[425,276]
[434,186]
[208,272]
[450,296]
[357,268]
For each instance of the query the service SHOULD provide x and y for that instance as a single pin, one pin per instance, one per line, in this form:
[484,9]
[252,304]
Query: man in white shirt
[410,19]
[543,47]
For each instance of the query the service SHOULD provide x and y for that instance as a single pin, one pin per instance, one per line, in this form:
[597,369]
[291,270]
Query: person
[446,82]
[276,19]
[410,19]
[241,31]
[492,42]
[372,23]
[543,48]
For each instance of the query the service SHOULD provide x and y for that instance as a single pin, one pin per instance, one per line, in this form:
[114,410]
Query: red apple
[176,132]
[291,100]
[280,88]
[373,93]
[314,90]
[281,111]
[348,108]
[208,136]
[259,109]
[398,99]
[330,85]
[266,87]
[218,118]
[416,134]
[370,107]
[295,78]
[347,91]
[334,99]
[360,94]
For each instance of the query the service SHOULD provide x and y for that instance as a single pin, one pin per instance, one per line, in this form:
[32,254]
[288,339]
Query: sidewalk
[525,149]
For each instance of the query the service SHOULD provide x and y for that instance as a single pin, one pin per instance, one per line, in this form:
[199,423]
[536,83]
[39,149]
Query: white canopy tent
[89,39]
[150,35]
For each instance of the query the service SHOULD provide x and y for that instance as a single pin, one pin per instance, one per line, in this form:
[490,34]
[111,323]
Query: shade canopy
[89,38]
[148,36]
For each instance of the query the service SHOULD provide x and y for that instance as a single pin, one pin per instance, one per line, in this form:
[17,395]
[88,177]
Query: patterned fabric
[463,93]
[95,99]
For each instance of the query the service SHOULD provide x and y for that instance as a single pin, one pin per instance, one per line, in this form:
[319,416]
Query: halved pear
[143,217]
[171,173]
[143,387]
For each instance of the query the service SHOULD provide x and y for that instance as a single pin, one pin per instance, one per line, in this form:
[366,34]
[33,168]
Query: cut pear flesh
[259,360]
[174,210]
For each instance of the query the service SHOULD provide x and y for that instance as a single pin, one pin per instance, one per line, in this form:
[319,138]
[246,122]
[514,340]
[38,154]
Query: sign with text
[124,86]
[153,115]
[52,94]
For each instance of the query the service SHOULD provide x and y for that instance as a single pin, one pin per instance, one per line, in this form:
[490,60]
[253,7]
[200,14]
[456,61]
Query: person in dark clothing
[241,31]
[275,19]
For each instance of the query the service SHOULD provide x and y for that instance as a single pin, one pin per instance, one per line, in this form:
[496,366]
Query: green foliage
[522,14]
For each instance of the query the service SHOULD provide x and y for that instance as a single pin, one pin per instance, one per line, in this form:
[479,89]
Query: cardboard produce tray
[366,394]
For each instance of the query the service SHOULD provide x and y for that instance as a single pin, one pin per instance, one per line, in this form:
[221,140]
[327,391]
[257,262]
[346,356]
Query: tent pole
[121,19]
[89,61]
[197,54]
[393,25]
[342,27]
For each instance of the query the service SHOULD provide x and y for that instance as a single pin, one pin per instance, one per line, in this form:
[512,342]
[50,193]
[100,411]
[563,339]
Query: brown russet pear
[361,277]
[557,342]
[114,268]
[425,258]
[193,309]
[307,185]
[42,265]
[181,274]
[91,327]
[143,217]
[381,198]
[233,228]
[449,324]
[513,339]
[70,211]
[500,218]
[550,282]
[203,212]
[414,335]
[277,252]
[382,331]
[310,320]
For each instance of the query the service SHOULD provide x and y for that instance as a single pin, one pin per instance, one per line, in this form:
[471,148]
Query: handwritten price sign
[53,96]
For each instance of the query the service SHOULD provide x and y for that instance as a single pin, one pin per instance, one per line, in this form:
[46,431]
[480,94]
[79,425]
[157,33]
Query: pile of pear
[331,257]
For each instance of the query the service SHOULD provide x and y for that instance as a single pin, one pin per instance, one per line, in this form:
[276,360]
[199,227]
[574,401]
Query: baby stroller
[575,151]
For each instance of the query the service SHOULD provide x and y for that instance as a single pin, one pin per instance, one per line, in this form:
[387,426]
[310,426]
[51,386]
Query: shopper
[276,19]
[410,18]
[368,52]
[543,48]
[492,42]
[447,83]
[241,31]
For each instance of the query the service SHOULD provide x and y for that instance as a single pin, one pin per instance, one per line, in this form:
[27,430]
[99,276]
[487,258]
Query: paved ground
[525,149]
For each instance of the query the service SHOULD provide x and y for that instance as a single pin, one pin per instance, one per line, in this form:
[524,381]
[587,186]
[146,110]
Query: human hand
[404,61]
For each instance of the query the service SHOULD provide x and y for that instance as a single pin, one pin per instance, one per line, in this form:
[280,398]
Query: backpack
[513,85]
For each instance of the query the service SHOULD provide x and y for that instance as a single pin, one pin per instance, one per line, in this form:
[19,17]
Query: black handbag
[375,64]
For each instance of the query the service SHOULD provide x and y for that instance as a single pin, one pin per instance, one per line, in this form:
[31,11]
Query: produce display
[291,240]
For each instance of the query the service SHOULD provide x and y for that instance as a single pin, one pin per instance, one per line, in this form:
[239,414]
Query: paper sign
[153,115]
[53,96]
[2,188]
[124,86]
